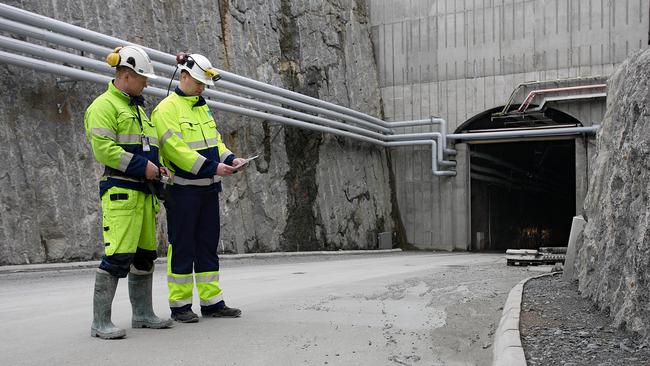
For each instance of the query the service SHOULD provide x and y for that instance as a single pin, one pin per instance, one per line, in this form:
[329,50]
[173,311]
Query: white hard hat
[199,67]
[134,58]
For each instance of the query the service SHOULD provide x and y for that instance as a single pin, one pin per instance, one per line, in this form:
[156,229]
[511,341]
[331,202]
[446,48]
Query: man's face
[191,86]
[136,83]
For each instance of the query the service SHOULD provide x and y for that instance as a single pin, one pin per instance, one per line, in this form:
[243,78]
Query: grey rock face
[307,191]
[614,252]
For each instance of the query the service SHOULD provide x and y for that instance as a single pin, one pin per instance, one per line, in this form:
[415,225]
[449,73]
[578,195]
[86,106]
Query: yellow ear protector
[114,58]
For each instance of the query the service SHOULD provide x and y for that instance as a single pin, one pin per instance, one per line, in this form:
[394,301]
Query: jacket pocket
[191,131]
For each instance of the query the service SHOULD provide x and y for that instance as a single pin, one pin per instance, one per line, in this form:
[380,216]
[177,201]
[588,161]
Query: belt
[196,182]
[116,174]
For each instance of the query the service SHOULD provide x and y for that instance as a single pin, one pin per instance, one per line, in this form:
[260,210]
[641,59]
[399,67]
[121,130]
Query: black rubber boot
[140,296]
[105,286]
[224,312]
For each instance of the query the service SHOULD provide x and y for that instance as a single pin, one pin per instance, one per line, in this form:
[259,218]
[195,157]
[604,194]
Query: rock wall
[613,262]
[308,191]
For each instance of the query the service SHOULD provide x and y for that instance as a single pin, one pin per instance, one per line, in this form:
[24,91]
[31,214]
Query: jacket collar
[138,100]
[196,100]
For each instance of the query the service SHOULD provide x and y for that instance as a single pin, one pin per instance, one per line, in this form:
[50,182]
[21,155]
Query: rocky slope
[613,262]
[308,191]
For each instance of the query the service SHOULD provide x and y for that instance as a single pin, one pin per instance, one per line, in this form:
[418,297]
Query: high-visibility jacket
[119,131]
[190,144]
[192,148]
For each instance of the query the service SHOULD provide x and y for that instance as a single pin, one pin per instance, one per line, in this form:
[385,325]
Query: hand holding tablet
[244,164]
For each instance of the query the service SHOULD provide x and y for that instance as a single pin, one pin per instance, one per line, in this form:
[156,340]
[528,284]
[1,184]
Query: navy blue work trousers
[193,228]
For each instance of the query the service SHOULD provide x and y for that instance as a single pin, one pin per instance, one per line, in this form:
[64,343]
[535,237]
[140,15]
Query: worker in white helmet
[125,142]
[192,148]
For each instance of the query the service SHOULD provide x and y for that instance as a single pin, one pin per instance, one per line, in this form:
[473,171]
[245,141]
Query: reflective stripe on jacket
[116,135]
[190,144]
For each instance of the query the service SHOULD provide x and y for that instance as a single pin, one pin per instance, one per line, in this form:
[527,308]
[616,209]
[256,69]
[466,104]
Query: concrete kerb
[508,350]
[20,268]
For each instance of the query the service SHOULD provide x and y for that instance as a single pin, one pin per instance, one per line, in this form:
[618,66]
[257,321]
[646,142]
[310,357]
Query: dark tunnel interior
[522,194]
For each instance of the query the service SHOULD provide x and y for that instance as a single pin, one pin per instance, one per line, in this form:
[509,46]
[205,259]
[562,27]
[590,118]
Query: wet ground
[559,327]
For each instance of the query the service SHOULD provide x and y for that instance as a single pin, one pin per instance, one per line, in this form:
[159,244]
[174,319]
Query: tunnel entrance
[523,192]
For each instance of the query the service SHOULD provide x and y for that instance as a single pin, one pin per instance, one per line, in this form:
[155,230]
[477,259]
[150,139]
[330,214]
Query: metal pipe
[166,60]
[66,41]
[65,28]
[430,121]
[226,107]
[77,74]
[434,148]
[590,130]
[222,84]
[299,97]
[58,26]
[567,97]
[11,12]
[53,54]
[529,128]
[279,110]
[288,121]
[100,66]
[527,83]
[44,34]
[422,136]
[417,122]
[522,108]
[514,92]
[44,66]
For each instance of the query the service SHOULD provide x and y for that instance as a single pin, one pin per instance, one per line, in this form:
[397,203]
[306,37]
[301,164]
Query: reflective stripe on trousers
[181,286]
[207,283]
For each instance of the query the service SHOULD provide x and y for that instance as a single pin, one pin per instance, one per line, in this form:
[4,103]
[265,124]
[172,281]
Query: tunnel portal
[522,191]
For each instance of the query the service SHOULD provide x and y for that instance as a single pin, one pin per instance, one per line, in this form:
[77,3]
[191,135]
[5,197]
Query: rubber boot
[105,286]
[140,295]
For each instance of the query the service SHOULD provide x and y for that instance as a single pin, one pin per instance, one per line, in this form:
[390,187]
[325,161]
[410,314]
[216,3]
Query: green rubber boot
[105,286]
[140,295]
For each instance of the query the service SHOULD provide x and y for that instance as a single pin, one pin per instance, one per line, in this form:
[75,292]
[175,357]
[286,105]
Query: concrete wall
[458,58]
